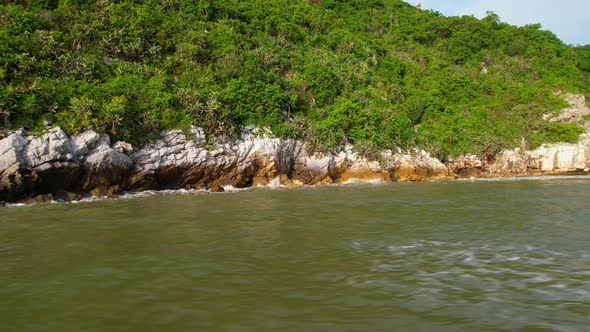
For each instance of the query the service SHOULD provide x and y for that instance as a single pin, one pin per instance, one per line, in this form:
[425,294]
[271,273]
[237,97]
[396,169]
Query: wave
[275,183]
[526,178]
[494,269]
[363,181]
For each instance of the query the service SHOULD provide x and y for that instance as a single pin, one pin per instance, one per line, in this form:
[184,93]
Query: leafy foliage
[563,132]
[379,73]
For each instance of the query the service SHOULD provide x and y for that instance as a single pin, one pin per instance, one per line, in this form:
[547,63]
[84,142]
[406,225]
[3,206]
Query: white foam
[147,193]
[274,183]
[10,205]
[357,181]
[527,178]
[122,196]
[539,278]
[232,189]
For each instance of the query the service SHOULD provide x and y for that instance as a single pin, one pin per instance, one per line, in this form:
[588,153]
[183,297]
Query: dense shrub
[379,73]
[562,132]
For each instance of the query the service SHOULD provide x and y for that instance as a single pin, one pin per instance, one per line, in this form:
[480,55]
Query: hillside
[376,73]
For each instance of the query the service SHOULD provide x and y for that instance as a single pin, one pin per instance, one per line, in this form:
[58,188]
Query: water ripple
[533,285]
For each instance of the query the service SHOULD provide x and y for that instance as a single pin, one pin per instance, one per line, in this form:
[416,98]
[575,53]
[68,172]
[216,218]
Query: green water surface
[450,256]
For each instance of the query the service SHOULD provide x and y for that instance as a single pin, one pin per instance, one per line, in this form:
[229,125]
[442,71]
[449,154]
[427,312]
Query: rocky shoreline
[54,166]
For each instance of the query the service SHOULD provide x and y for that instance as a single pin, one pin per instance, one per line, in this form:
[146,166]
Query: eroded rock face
[577,110]
[53,166]
[547,159]
[31,166]
[364,170]
[560,158]
[174,162]
[11,149]
[46,165]
[83,143]
[105,169]
[312,169]
[466,166]
[418,166]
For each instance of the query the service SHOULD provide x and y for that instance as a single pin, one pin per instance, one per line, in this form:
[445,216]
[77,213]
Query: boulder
[58,175]
[82,143]
[67,196]
[216,189]
[105,170]
[417,166]
[466,166]
[364,170]
[32,166]
[311,169]
[259,181]
[285,181]
[39,199]
[326,180]
[123,147]
[295,184]
[50,147]
[198,136]
[11,149]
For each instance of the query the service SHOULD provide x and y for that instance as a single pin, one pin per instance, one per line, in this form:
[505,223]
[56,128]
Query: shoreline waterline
[274,184]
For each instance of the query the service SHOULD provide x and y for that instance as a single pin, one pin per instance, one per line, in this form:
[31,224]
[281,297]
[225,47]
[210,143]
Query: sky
[568,19]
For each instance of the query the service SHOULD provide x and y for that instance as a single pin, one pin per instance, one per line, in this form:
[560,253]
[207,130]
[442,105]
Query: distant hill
[377,73]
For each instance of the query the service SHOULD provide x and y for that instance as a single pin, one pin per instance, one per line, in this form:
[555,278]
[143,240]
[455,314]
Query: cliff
[560,158]
[55,166]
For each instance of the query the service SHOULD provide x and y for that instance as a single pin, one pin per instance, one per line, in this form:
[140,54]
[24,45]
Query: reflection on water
[451,256]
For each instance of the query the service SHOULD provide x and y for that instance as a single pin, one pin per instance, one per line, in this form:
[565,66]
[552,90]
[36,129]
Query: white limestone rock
[104,157]
[11,149]
[123,147]
[52,146]
[578,108]
[82,143]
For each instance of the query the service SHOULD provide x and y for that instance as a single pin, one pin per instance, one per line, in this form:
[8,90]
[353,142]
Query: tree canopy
[376,72]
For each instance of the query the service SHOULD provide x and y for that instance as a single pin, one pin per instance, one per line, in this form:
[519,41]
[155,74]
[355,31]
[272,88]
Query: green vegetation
[562,132]
[379,73]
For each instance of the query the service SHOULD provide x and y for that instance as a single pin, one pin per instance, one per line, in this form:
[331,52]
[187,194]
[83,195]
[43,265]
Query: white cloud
[568,19]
